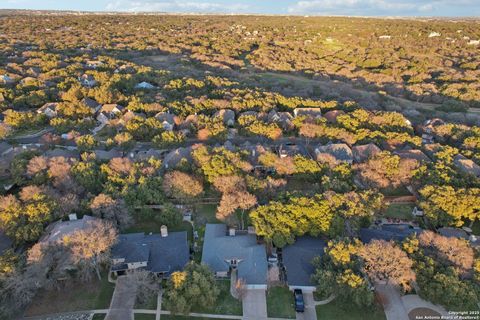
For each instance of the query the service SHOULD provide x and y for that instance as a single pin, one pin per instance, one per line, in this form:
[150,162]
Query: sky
[455,8]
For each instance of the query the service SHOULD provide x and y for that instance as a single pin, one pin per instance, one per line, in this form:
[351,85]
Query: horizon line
[237,14]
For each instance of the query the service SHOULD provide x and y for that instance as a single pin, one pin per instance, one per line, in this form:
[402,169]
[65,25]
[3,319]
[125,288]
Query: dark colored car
[299,303]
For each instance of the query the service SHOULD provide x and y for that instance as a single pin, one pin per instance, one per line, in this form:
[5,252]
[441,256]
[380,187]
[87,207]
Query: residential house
[297,262]
[226,250]
[412,154]
[168,120]
[364,152]
[460,234]
[466,165]
[57,231]
[308,112]
[283,119]
[175,157]
[108,112]
[161,254]
[387,232]
[103,155]
[49,109]
[6,79]
[334,153]
[227,116]
[144,85]
[332,115]
[291,150]
[87,80]
[61,152]
[94,64]
[92,104]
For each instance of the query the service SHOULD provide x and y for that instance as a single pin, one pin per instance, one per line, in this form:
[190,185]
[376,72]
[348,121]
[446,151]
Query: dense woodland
[212,131]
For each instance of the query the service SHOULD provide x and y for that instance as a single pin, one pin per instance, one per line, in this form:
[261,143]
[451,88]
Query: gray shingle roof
[297,260]
[218,247]
[58,230]
[395,232]
[163,254]
[364,152]
[340,151]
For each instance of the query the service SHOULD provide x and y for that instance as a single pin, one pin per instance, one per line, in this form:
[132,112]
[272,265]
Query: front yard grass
[337,311]
[144,316]
[75,296]
[399,211]
[150,304]
[476,228]
[225,304]
[280,303]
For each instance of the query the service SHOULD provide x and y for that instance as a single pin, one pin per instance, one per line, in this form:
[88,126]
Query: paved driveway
[310,313]
[392,302]
[123,300]
[254,305]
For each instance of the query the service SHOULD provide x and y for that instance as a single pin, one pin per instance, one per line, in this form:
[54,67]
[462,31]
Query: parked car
[299,303]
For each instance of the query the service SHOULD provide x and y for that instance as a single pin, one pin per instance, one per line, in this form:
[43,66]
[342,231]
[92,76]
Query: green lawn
[99,316]
[397,192]
[399,211]
[144,316]
[75,296]
[226,304]
[150,304]
[334,310]
[171,317]
[280,303]
[205,213]
[476,228]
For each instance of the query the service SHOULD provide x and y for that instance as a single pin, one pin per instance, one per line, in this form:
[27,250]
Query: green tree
[189,289]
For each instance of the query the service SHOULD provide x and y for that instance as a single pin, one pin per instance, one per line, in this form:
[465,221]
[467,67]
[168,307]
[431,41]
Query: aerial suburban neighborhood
[163,166]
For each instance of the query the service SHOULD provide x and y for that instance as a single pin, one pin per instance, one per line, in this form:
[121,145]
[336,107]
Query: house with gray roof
[466,165]
[283,119]
[297,262]
[387,232]
[227,116]
[161,254]
[412,154]
[364,152]
[308,112]
[338,152]
[58,230]
[226,250]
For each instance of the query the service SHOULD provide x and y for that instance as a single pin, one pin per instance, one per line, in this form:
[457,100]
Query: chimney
[72,217]
[231,232]
[164,231]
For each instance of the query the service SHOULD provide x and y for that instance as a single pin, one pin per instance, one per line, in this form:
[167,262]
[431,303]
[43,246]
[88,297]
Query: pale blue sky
[300,7]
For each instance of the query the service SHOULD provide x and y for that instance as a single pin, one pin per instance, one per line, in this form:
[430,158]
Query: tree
[181,185]
[445,205]
[124,140]
[282,222]
[86,143]
[90,247]
[338,273]
[146,285]
[235,200]
[384,261]
[23,220]
[192,288]
[386,171]
[115,210]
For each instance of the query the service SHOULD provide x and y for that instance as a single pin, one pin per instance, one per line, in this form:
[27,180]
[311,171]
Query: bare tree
[181,185]
[115,210]
[384,261]
[90,247]
[146,284]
